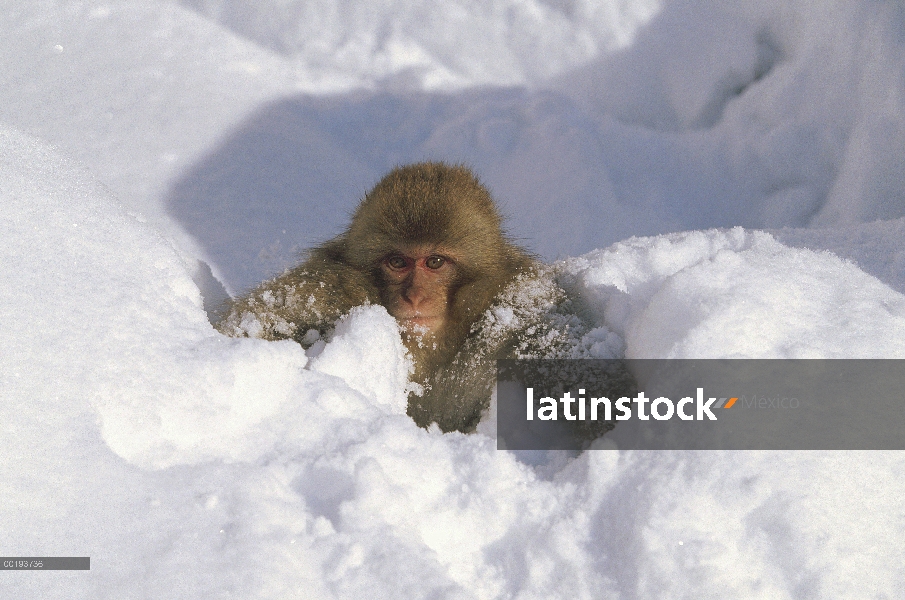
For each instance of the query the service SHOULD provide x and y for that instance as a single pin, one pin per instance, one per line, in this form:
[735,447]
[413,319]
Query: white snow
[738,294]
[137,138]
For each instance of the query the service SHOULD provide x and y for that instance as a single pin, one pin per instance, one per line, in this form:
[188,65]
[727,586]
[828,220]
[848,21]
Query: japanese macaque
[427,244]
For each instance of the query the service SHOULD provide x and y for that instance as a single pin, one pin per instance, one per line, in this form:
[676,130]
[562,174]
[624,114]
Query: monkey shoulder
[310,296]
[532,316]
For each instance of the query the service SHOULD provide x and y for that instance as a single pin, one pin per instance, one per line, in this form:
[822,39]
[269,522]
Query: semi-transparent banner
[701,404]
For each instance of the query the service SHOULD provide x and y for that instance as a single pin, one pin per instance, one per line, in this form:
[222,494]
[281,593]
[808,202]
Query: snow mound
[137,344]
[187,464]
[738,294]
[631,117]
[432,44]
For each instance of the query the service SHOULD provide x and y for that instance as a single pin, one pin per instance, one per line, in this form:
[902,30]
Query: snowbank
[190,465]
[633,117]
[432,44]
[738,294]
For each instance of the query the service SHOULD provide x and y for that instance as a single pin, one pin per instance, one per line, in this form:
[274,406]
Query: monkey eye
[397,262]
[434,262]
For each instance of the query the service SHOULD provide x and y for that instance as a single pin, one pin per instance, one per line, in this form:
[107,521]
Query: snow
[718,181]
[738,294]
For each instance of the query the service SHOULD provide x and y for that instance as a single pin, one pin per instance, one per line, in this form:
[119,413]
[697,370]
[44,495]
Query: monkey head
[430,235]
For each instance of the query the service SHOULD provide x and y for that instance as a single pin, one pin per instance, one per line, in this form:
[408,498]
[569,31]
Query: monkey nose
[415,295]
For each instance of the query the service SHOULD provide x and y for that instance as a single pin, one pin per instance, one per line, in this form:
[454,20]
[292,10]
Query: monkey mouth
[420,322]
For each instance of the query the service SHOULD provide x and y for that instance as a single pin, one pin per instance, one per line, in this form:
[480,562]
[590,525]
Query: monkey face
[417,284]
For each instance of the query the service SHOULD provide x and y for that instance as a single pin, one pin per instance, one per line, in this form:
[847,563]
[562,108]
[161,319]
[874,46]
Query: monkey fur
[446,209]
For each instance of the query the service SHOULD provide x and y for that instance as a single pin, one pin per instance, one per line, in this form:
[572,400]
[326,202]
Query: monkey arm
[310,296]
[530,318]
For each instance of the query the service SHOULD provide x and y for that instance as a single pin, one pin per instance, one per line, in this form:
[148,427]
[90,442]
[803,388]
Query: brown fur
[422,205]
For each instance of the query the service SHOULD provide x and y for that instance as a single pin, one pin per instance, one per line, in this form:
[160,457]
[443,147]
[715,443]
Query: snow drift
[190,465]
[187,464]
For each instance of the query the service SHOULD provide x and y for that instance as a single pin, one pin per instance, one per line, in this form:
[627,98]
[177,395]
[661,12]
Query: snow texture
[151,150]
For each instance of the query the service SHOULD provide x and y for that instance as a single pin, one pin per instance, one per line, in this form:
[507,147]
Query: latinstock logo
[699,404]
[661,408]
